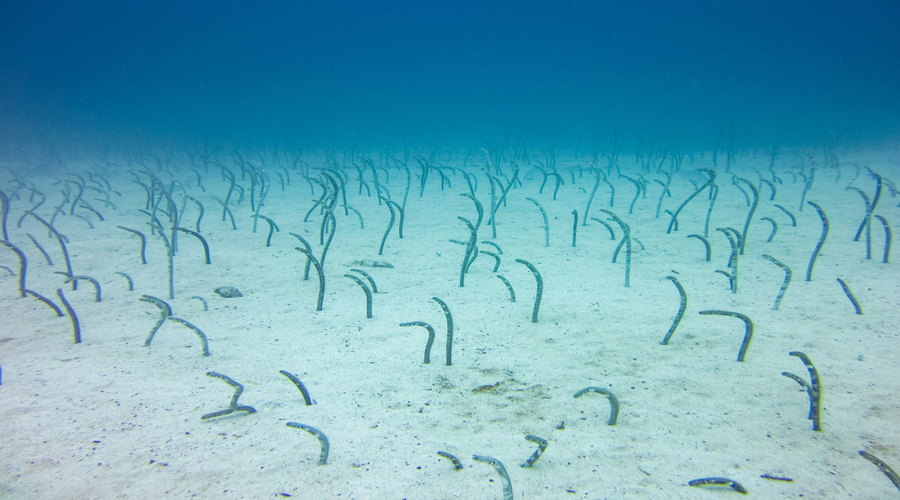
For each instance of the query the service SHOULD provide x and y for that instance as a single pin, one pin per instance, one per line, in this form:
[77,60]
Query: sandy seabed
[111,418]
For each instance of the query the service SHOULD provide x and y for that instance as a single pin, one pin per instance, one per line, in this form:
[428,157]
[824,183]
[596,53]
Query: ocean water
[585,152]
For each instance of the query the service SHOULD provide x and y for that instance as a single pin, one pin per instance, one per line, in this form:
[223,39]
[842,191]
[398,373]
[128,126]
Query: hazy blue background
[340,68]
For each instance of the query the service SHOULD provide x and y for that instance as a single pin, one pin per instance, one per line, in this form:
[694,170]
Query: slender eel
[850,296]
[170,253]
[318,267]
[496,259]
[807,185]
[748,334]
[361,223]
[367,277]
[774,228]
[308,251]
[388,230]
[672,215]
[65,251]
[230,190]
[540,289]
[457,465]
[130,282]
[718,481]
[475,253]
[143,242]
[613,402]
[887,238]
[92,281]
[787,278]
[323,440]
[793,220]
[199,237]
[50,262]
[202,301]
[329,215]
[594,191]
[501,470]
[612,234]
[882,466]
[626,229]
[232,406]
[814,389]
[803,384]
[470,247]
[491,243]
[449,328]
[771,186]
[512,293]
[705,243]
[368,293]
[574,227]
[47,301]
[272,228]
[639,187]
[23,266]
[750,214]
[478,208]
[165,312]
[5,200]
[76,326]
[402,212]
[196,330]
[430,337]
[546,225]
[714,193]
[812,260]
[733,260]
[542,445]
[293,378]
[202,211]
[681,309]
[868,221]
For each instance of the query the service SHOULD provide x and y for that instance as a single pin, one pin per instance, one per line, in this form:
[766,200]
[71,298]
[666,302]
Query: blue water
[763,71]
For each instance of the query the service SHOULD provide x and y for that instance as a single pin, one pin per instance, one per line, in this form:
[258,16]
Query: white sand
[110,418]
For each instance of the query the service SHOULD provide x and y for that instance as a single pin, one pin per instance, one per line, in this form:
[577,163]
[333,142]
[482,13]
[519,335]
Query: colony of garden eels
[545,275]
